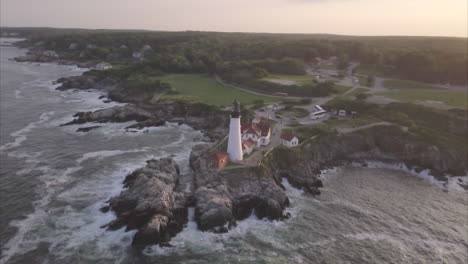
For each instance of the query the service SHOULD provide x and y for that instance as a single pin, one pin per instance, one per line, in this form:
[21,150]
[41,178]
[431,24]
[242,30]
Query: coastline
[227,211]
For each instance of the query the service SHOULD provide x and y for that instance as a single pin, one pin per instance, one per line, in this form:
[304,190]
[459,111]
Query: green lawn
[351,95]
[403,84]
[208,90]
[450,98]
[300,79]
[342,89]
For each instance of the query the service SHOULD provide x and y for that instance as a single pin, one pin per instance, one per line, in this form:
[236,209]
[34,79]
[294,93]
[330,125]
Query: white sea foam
[108,153]
[451,185]
[191,238]
[20,135]
[84,225]
[18,94]
[73,227]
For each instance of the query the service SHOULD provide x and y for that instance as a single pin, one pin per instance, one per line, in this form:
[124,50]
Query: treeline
[442,60]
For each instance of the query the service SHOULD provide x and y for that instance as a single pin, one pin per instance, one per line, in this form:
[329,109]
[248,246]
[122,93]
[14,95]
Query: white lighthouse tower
[234,148]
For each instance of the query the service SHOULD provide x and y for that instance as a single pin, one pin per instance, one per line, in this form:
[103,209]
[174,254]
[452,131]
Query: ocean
[54,180]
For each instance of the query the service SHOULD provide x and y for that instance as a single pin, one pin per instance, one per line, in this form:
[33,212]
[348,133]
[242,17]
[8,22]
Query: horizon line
[244,32]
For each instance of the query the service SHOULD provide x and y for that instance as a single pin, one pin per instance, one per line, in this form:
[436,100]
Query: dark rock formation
[387,144]
[113,114]
[222,197]
[87,129]
[147,123]
[151,203]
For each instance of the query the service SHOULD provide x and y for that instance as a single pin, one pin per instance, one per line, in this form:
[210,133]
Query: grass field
[207,90]
[450,98]
[403,84]
[351,95]
[342,89]
[300,79]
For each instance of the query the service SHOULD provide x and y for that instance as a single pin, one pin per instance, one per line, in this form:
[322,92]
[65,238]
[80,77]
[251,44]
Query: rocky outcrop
[87,129]
[147,123]
[387,144]
[226,196]
[151,203]
[157,115]
[114,114]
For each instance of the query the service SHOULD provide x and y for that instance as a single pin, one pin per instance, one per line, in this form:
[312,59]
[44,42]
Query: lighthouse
[234,148]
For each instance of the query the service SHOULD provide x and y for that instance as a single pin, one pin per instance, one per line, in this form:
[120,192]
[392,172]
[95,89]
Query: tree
[361,96]
[259,73]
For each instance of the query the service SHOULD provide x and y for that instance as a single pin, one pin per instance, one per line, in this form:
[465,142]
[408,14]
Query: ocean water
[54,180]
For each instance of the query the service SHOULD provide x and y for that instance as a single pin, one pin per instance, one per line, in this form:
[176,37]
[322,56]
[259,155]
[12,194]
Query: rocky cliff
[387,144]
[150,203]
[225,196]
[153,204]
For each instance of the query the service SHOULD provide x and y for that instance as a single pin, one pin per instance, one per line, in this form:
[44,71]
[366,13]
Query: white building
[73,46]
[137,55]
[257,132]
[247,146]
[146,48]
[234,148]
[342,113]
[318,113]
[289,140]
[103,66]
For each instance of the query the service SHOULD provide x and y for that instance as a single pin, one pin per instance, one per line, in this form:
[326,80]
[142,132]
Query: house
[260,133]
[314,61]
[146,48]
[137,55]
[247,146]
[342,113]
[257,120]
[73,46]
[289,140]
[218,160]
[103,66]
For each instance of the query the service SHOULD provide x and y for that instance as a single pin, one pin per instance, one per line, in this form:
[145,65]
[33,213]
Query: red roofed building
[218,160]
[260,133]
[289,140]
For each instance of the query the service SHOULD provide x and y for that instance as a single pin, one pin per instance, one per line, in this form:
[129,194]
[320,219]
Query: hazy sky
[351,17]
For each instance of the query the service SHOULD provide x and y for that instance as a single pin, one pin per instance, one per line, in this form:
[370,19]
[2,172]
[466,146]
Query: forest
[247,57]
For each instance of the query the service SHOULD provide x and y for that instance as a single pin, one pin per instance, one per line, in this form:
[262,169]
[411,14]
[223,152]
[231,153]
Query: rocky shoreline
[155,203]
[138,108]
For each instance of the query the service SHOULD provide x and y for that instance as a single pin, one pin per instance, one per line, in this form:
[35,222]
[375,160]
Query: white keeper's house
[289,140]
[258,132]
